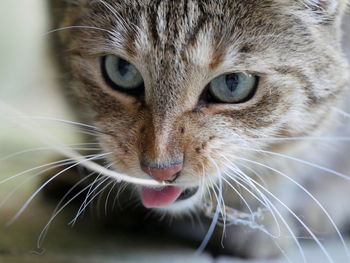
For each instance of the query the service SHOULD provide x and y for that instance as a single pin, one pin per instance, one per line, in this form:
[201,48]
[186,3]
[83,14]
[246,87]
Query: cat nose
[169,173]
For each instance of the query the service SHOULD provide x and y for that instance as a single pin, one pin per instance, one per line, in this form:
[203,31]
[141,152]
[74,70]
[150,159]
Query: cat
[228,103]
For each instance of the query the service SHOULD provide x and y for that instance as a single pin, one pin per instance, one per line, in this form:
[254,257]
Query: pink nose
[163,174]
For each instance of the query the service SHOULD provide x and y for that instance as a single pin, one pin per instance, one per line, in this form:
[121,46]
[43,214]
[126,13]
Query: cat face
[160,79]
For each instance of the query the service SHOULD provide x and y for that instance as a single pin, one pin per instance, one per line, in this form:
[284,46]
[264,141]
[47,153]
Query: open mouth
[162,197]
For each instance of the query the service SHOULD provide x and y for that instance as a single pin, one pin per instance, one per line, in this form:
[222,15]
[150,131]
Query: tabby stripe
[153,22]
[191,37]
[304,79]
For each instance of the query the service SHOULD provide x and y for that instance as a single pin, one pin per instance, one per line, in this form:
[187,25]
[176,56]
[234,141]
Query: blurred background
[26,79]
[28,83]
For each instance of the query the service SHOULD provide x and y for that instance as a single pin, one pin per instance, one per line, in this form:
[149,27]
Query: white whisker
[223,207]
[341,112]
[215,219]
[78,27]
[71,190]
[4,158]
[49,140]
[89,193]
[73,222]
[305,138]
[21,210]
[41,166]
[311,196]
[285,223]
[43,118]
[33,177]
[323,249]
[122,187]
[346,177]
[108,195]
[56,212]
[263,200]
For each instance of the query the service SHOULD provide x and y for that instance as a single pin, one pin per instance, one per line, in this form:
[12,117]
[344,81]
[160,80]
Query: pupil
[232,82]
[123,67]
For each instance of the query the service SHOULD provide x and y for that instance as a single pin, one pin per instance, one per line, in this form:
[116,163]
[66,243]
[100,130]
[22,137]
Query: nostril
[169,173]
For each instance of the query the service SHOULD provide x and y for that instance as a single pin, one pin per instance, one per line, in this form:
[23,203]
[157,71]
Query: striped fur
[179,47]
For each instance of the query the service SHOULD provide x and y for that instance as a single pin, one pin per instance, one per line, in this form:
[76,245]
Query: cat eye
[233,88]
[121,75]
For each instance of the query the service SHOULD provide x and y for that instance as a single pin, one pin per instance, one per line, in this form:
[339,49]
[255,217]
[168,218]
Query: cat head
[181,89]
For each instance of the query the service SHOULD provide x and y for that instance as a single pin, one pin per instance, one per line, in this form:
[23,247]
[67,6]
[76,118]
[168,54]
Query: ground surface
[24,85]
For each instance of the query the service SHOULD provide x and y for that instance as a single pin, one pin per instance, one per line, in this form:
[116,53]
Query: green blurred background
[28,84]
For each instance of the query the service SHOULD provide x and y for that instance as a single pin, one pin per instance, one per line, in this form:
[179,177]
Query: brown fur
[179,47]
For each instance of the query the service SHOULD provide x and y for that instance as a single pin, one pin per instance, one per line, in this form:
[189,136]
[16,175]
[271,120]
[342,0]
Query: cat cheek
[326,5]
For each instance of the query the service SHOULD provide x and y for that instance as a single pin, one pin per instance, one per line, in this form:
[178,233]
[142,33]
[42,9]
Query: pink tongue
[159,197]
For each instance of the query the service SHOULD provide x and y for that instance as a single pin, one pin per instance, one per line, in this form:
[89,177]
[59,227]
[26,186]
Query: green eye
[121,75]
[233,88]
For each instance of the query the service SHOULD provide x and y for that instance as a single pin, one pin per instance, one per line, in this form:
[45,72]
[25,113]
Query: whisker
[223,210]
[252,171]
[91,127]
[72,189]
[108,195]
[39,167]
[78,27]
[323,249]
[90,165]
[4,158]
[122,187]
[215,219]
[255,226]
[57,211]
[311,196]
[237,220]
[21,210]
[301,138]
[346,177]
[90,192]
[341,112]
[206,185]
[243,177]
[32,177]
[264,201]
[271,205]
[100,197]
[285,223]
[73,222]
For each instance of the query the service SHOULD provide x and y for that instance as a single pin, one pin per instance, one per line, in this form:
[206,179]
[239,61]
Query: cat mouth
[165,196]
